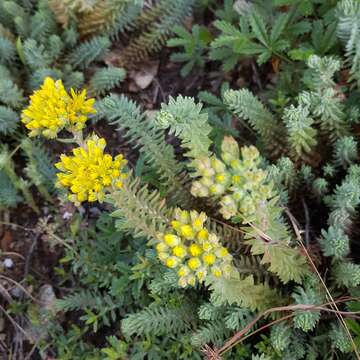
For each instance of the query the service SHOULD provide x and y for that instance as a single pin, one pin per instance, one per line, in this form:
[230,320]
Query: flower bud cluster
[190,249]
[236,180]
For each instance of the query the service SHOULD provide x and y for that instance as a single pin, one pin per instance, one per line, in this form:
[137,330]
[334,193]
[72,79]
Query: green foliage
[300,109]
[168,13]
[186,119]
[301,133]
[346,274]
[159,320]
[7,51]
[213,333]
[39,75]
[106,79]
[243,292]
[335,242]
[40,167]
[145,213]
[8,194]
[324,101]
[348,32]
[252,38]
[142,132]
[10,94]
[35,54]
[340,339]
[281,336]
[304,319]
[246,106]
[89,51]
[345,152]
[8,120]
[194,44]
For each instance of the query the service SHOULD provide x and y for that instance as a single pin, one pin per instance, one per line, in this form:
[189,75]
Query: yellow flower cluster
[192,250]
[237,179]
[90,172]
[52,109]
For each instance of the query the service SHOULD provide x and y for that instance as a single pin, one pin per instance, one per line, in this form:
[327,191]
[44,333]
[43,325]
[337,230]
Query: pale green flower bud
[247,206]
[207,182]
[238,195]
[217,165]
[163,119]
[265,191]
[184,217]
[222,178]
[202,164]
[217,189]
[199,190]
[236,165]
[250,153]
[230,149]
[208,172]
[228,207]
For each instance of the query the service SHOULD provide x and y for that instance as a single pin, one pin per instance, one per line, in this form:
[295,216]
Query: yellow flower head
[203,235]
[216,271]
[209,258]
[194,263]
[183,271]
[172,262]
[171,240]
[195,250]
[195,253]
[179,251]
[187,232]
[52,109]
[89,172]
[161,247]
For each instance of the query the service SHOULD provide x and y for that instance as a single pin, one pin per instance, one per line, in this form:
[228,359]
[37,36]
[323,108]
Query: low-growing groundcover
[204,209]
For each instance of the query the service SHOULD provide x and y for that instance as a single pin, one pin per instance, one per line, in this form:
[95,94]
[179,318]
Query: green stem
[67,141]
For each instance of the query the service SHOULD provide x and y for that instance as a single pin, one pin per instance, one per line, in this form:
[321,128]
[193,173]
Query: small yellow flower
[195,250]
[222,252]
[179,251]
[197,224]
[89,172]
[52,109]
[221,178]
[216,271]
[191,280]
[171,240]
[194,263]
[207,246]
[161,247]
[176,225]
[183,271]
[172,262]
[201,274]
[184,216]
[187,232]
[203,235]
[209,259]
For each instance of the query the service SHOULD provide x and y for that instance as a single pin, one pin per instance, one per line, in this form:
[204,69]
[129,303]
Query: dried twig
[240,335]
